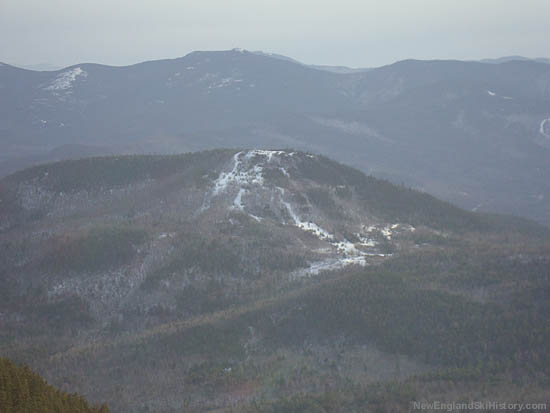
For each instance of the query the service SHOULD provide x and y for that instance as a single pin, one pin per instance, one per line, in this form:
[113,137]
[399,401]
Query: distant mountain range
[512,58]
[40,67]
[473,133]
[328,68]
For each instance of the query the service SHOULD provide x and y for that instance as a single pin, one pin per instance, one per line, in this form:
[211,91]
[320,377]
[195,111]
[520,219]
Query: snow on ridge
[246,169]
[65,80]
[267,153]
[238,175]
[225,177]
[541,128]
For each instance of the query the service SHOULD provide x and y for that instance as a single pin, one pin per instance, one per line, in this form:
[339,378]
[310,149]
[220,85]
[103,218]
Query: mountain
[505,59]
[472,133]
[328,68]
[265,280]
[40,67]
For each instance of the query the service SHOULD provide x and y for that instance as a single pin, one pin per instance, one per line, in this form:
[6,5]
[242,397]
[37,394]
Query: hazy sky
[344,32]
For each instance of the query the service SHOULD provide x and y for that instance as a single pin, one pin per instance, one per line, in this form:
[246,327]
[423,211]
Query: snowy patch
[226,81]
[542,128]
[304,225]
[226,177]
[246,170]
[238,202]
[285,172]
[330,264]
[366,241]
[387,232]
[348,253]
[238,175]
[64,81]
[347,248]
[490,93]
[262,152]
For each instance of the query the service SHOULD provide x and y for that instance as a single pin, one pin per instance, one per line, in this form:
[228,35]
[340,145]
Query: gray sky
[359,33]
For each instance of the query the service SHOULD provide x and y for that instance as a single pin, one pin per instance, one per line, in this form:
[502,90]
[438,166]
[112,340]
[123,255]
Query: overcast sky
[358,33]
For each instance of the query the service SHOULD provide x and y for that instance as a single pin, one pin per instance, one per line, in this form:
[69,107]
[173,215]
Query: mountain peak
[209,261]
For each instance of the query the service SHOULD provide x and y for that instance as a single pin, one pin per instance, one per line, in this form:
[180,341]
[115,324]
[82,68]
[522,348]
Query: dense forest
[23,391]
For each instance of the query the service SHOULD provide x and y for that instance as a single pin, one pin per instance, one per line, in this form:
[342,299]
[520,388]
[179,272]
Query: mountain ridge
[498,60]
[455,129]
[241,278]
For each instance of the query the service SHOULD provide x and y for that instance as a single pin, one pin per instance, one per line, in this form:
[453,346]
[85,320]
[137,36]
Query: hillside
[475,134]
[21,390]
[265,280]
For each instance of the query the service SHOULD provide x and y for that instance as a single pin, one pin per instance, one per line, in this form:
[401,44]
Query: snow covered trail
[346,252]
[304,225]
[242,183]
[245,171]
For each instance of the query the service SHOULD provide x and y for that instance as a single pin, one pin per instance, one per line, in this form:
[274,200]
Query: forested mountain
[476,134]
[23,391]
[262,280]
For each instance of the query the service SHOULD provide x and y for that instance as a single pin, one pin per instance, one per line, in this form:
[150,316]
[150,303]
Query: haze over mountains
[474,133]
